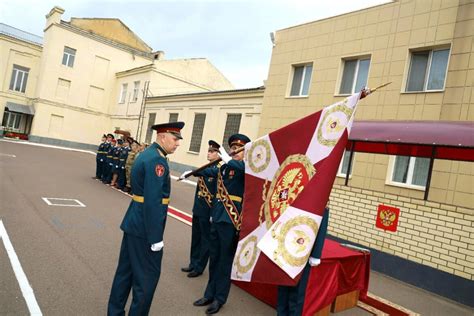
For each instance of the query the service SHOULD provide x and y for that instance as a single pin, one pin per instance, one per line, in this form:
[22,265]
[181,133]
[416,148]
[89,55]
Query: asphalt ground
[69,254]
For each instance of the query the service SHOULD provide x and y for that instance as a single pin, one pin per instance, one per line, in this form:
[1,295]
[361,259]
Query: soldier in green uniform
[200,230]
[135,146]
[143,226]
[225,223]
[99,158]
[291,298]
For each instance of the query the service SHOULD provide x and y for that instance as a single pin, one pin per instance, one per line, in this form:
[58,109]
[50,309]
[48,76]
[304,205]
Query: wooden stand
[324,312]
[345,301]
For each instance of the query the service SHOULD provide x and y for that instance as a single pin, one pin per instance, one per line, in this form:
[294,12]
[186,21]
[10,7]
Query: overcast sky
[233,35]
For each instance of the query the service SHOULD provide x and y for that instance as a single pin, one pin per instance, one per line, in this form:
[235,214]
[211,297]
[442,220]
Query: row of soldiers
[114,160]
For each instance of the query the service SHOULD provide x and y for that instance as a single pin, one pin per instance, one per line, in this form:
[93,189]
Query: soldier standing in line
[200,230]
[99,158]
[109,162]
[116,162]
[225,223]
[139,265]
[132,155]
[291,298]
[105,164]
[121,180]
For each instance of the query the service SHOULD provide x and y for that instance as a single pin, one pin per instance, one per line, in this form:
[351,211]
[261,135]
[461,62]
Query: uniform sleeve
[208,172]
[237,165]
[318,245]
[154,211]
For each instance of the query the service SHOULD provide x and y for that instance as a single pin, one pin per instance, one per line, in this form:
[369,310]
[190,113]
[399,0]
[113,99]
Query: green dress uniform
[291,298]
[139,267]
[225,225]
[201,227]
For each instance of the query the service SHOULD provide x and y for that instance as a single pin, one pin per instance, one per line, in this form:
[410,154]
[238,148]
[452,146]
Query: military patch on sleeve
[160,170]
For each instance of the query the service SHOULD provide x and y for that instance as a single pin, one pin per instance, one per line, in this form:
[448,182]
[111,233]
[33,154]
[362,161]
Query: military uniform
[99,158]
[121,181]
[225,219]
[139,265]
[128,167]
[291,298]
[107,176]
[201,227]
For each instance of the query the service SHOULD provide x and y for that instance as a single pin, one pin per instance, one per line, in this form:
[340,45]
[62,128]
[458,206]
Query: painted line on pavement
[7,155]
[25,286]
[49,202]
[24,142]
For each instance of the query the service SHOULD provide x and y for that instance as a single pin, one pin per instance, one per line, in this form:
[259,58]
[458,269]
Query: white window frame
[428,69]
[14,118]
[340,173]
[411,168]
[305,70]
[17,71]
[356,72]
[68,57]
[136,89]
[123,93]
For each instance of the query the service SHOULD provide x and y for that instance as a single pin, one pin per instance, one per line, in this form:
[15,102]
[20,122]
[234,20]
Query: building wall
[91,95]
[437,233]
[13,51]
[216,106]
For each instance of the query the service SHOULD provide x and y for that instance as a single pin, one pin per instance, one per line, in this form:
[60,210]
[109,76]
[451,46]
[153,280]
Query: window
[198,129]
[173,117]
[68,56]
[354,76]
[410,171]
[19,78]
[149,131]
[136,88]
[232,127]
[123,93]
[11,120]
[301,80]
[428,70]
[342,171]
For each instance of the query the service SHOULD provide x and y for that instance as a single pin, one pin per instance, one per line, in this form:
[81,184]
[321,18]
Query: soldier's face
[239,156]
[169,142]
[212,155]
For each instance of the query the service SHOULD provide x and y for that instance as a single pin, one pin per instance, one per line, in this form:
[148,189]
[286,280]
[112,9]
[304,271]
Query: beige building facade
[208,115]
[426,49]
[89,76]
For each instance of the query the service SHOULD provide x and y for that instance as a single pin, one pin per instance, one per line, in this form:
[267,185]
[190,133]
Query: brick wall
[433,234]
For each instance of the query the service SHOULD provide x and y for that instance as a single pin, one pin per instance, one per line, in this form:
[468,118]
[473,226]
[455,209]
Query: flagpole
[213,162]
[365,92]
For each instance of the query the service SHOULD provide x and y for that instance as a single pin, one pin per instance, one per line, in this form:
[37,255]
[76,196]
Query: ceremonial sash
[226,200]
[204,191]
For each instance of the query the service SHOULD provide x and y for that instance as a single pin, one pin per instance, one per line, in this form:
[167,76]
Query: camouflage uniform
[128,166]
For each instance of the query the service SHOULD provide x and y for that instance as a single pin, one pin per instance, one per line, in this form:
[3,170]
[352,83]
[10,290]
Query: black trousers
[291,298]
[200,235]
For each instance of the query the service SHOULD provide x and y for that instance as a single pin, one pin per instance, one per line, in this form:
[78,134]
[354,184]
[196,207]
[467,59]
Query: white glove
[101,160]
[183,176]
[158,246]
[116,166]
[224,155]
[314,261]
[123,167]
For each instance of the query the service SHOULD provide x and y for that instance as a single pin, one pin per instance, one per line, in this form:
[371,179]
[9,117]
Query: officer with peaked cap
[200,230]
[139,264]
[225,223]
[99,160]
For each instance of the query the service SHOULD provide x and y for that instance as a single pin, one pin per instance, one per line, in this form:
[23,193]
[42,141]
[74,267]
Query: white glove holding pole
[314,261]
[158,246]
[224,155]
[183,176]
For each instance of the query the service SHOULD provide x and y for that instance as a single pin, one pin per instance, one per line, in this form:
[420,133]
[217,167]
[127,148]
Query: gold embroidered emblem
[333,124]
[289,181]
[259,155]
[387,217]
[247,256]
[294,245]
